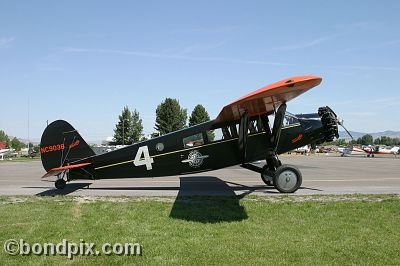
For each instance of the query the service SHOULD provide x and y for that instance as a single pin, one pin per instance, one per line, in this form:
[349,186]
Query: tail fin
[61,144]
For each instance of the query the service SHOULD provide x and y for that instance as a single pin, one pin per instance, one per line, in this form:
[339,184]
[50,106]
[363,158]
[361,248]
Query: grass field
[281,230]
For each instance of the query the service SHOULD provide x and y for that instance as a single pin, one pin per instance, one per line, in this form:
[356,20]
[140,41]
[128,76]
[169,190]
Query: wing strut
[278,123]
[243,135]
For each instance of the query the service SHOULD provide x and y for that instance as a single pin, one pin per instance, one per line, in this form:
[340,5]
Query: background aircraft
[4,153]
[245,135]
[369,151]
[372,150]
[350,150]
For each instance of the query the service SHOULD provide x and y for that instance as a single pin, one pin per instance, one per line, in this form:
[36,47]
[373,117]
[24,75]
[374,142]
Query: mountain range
[356,135]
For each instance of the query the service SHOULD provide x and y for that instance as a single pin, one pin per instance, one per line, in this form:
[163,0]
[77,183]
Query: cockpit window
[290,119]
[194,140]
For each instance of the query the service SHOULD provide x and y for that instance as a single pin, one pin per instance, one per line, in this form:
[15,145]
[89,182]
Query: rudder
[61,144]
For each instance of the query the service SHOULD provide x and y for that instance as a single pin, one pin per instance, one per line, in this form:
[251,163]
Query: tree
[129,128]
[367,139]
[17,145]
[170,116]
[4,138]
[199,115]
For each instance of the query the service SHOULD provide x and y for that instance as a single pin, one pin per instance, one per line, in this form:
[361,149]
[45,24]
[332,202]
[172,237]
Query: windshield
[290,119]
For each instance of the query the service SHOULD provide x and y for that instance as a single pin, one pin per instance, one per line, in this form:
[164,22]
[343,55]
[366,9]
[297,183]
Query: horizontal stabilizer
[58,170]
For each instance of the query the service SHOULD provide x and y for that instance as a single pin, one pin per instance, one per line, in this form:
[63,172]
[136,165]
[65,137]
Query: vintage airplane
[242,135]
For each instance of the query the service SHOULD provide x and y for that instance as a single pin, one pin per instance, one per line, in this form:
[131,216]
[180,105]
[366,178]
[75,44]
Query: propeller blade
[340,123]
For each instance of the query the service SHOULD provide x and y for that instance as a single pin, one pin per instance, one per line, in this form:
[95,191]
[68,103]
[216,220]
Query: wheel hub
[287,179]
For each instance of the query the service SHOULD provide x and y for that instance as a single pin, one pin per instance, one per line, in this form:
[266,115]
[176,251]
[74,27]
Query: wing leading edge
[266,99]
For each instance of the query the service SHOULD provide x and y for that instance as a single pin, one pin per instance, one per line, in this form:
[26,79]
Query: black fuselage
[200,148]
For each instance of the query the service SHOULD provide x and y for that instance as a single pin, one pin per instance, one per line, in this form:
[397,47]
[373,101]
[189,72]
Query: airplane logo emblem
[195,159]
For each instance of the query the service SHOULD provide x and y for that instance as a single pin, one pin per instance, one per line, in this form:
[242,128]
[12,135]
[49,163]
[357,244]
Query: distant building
[3,145]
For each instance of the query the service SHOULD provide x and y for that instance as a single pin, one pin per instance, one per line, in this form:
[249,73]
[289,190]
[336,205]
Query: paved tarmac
[322,174]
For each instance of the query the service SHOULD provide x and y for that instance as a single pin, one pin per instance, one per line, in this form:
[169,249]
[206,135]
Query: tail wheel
[60,183]
[287,178]
[267,176]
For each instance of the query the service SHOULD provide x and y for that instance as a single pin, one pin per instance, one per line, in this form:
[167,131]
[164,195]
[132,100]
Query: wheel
[60,183]
[287,178]
[267,176]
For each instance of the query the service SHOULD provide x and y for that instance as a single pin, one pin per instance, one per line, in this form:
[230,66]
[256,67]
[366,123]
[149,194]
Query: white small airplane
[303,150]
[6,153]
[372,150]
[369,151]
[351,151]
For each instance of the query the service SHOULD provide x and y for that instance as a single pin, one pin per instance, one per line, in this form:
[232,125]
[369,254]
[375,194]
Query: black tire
[60,184]
[287,178]
[267,176]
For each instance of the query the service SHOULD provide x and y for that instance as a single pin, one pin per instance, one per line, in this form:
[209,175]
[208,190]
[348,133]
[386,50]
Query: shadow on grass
[210,200]
[69,188]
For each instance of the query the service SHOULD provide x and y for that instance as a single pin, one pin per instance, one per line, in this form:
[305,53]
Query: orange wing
[264,100]
[56,171]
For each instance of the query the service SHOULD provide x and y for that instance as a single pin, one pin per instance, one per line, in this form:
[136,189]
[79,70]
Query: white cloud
[303,45]
[178,56]
[5,41]
[182,56]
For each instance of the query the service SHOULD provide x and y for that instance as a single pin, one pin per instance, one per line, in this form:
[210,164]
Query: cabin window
[225,133]
[234,130]
[252,127]
[216,135]
[193,141]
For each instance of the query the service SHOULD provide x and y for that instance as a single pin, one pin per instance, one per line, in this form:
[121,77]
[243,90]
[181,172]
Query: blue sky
[83,61]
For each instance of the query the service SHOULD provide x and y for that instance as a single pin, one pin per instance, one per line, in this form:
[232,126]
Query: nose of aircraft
[330,123]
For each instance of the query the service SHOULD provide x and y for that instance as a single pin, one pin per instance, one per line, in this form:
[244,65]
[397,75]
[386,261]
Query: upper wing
[56,171]
[266,99]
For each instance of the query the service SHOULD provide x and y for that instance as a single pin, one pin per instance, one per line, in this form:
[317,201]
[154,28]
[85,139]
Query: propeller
[341,123]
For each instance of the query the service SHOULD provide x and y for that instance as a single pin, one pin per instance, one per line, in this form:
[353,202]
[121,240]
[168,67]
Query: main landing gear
[285,178]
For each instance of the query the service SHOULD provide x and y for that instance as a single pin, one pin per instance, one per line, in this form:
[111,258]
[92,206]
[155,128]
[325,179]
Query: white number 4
[147,160]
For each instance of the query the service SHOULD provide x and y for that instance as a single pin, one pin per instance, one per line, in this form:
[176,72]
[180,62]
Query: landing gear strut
[285,178]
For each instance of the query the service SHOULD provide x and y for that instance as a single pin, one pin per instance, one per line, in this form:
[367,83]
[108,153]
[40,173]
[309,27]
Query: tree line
[367,139]
[170,117]
[13,143]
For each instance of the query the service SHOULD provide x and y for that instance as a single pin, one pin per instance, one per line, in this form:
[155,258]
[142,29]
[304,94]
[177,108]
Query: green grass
[308,230]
